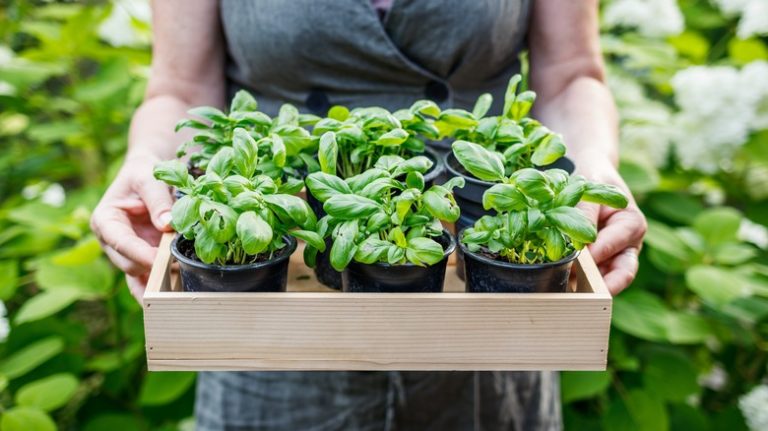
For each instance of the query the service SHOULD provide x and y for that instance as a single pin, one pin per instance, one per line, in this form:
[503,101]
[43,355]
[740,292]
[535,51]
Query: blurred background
[689,343]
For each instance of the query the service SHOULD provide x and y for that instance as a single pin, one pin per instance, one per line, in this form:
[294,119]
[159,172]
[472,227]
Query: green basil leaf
[392,138]
[482,105]
[425,107]
[349,207]
[328,153]
[570,195]
[415,180]
[209,113]
[358,182]
[254,233]
[549,150]
[388,162]
[243,101]
[504,197]
[184,213]
[458,118]
[378,186]
[207,249]
[290,186]
[288,115]
[605,194]
[424,251]
[311,238]
[372,250]
[522,105]
[338,112]
[517,223]
[534,184]
[554,243]
[218,219]
[572,222]
[510,94]
[245,149]
[344,248]
[174,173]
[278,150]
[292,210]
[415,164]
[323,186]
[453,183]
[478,161]
[536,219]
[221,162]
[192,124]
[440,207]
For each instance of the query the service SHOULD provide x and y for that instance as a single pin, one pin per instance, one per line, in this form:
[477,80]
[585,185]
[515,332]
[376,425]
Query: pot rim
[519,266]
[446,252]
[467,177]
[287,252]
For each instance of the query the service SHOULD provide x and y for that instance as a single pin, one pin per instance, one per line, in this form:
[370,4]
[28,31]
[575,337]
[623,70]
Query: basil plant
[383,214]
[351,142]
[536,220]
[233,214]
[520,141]
[284,138]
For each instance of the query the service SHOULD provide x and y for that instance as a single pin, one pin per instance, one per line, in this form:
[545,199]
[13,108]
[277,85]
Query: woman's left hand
[620,231]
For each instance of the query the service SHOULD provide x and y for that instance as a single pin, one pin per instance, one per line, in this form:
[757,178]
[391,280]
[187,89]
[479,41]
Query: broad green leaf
[549,150]
[93,279]
[31,356]
[278,150]
[254,233]
[338,112]
[605,194]
[218,219]
[734,254]
[358,182]
[534,184]
[670,375]
[414,164]
[641,177]
[311,238]
[392,138]
[570,195]
[674,254]
[159,389]
[221,162]
[718,225]
[636,411]
[509,95]
[46,303]
[48,393]
[184,213]
[115,422]
[426,107]
[372,250]
[579,385]
[9,278]
[243,101]
[645,316]
[478,161]
[717,286]
[173,172]
[458,118]
[207,248]
[348,207]
[344,247]
[573,223]
[288,115]
[26,419]
[415,180]
[504,197]
[328,153]
[245,152]
[424,251]
[482,105]
[554,242]
[522,105]
[209,113]
[292,208]
[323,186]
[440,206]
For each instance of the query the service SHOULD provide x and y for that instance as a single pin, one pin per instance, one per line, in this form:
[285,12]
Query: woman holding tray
[318,53]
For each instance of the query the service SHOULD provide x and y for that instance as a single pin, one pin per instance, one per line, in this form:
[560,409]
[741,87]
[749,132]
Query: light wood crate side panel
[381,331]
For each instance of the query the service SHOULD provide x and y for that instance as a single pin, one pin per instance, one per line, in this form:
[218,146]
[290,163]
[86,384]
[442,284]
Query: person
[315,53]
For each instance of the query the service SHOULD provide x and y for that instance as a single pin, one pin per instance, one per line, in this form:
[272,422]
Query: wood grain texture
[311,327]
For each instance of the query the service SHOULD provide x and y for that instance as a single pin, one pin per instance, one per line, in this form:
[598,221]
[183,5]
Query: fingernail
[165,218]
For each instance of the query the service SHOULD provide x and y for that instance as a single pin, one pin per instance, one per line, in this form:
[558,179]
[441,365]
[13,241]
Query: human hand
[130,218]
[620,231]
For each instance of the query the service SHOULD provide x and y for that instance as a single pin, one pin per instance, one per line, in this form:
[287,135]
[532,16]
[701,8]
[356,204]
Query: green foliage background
[74,356]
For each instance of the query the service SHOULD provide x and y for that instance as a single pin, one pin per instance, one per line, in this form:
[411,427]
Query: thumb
[157,197]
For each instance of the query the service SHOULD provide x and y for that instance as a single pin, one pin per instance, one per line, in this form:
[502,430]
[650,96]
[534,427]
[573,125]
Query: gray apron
[319,53]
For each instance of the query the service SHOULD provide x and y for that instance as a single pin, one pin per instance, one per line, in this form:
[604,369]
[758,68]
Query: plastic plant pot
[267,276]
[386,278]
[486,275]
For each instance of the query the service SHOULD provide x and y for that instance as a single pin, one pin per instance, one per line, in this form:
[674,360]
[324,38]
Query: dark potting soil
[187,248]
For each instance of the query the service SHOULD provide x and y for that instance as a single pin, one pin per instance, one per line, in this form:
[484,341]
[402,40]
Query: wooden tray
[311,327]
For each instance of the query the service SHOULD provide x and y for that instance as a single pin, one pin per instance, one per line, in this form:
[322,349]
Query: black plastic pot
[383,277]
[484,275]
[324,272]
[268,276]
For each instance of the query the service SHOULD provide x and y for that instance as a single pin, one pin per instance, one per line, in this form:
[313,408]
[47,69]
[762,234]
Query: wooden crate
[311,327]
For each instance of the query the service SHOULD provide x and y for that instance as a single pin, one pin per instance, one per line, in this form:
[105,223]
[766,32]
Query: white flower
[5,327]
[716,379]
[752,232]
[54,195]
[753,14]
[6,55]
[6,88]
[652,18]
[118,28]
[754,407]
[754,78]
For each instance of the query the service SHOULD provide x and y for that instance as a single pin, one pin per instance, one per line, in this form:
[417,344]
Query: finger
[113,229]
[622,229]
[136,285]
[622,271]
[157,197]
[129,267]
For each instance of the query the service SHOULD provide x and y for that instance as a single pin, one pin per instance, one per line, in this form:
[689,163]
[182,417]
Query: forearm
[585,114]
[151,133]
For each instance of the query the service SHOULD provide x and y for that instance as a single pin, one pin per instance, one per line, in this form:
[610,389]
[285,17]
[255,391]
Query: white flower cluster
[49,194]
[653,18]
[754,407]
[719,107]
[5,326]
[755,233]
[118,29]
[753,14]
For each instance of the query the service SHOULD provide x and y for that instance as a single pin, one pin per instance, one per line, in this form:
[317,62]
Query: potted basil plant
[236,228]
[531,241]
[283,142]
[517,140]
[385,231]
[351,142]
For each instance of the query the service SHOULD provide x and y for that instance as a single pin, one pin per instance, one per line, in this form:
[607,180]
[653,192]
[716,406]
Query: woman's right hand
[131,217]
